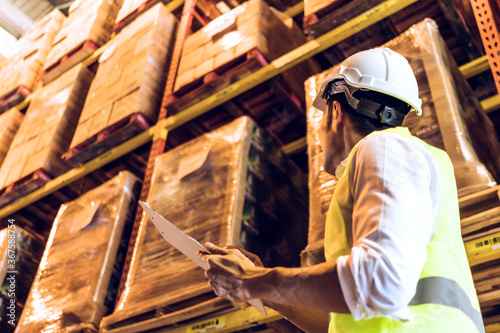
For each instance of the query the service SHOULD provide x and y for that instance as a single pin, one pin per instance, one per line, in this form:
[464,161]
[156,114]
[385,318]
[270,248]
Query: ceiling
[17,16]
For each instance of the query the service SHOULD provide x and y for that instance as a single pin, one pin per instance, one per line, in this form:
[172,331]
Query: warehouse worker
[395,257]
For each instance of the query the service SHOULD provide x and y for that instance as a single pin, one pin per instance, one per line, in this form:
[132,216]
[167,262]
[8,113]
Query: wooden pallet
[335,14]
[216,80]
[24,186]
[198,307]
[256,103]
[13,97]
[133,15]
[73,57]
[107,139]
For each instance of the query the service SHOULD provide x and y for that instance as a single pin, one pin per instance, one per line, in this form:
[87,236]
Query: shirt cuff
[356,302]
[348,287]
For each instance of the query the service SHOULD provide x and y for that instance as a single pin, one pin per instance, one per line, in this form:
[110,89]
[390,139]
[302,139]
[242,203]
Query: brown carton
[131,73]
[50,120]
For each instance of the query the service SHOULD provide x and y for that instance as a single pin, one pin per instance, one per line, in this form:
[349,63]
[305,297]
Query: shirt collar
[339,172]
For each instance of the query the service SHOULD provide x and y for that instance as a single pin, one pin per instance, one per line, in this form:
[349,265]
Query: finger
[214,249]
[253,257]
[203,255]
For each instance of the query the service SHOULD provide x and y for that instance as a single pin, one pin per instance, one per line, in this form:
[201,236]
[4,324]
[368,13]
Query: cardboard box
[452,120]
[51,117]
[87,21]
[9,124]
[28,250]
[72,285]
[130,7]
[230,186]
[252,25]
[24,67]
[134,62]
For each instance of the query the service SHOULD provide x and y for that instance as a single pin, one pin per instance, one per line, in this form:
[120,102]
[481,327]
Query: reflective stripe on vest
[443,291]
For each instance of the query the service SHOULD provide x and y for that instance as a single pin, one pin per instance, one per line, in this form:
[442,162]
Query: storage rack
[276,67]
[246,317]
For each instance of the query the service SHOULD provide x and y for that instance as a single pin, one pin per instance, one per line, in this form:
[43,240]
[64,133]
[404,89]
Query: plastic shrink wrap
[47,128]
[88,20]
[229,186]
[25,66]
[9,124]
[72,288]
[20,253]
[131,73]
[452,120]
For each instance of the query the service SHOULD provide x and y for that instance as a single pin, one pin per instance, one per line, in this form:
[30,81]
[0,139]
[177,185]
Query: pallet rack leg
[489,34]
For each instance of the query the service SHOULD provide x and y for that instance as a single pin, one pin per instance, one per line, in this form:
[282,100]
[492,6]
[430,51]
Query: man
[395,257]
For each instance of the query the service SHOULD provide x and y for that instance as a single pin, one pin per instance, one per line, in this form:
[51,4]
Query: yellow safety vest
[445,300]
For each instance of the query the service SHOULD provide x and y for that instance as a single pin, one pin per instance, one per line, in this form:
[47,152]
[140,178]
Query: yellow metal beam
[492,328]
[292,58]
[475,67]
[278,66]
[76,173]
[491,104]
[230,322]
[295,9]
[295,147]
[173,5]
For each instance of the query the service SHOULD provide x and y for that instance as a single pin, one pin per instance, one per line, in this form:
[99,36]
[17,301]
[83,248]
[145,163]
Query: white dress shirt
[394,193]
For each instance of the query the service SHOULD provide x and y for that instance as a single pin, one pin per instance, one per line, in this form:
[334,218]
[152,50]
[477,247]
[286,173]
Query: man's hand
[233,272]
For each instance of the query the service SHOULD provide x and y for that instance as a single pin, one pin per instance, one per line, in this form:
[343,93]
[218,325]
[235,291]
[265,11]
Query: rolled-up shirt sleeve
[392,224]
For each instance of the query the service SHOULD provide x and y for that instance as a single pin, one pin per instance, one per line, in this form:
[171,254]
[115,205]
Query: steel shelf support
[276,67]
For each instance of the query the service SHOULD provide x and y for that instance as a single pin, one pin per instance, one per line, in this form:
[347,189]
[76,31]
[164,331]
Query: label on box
[85,217]
[196,161]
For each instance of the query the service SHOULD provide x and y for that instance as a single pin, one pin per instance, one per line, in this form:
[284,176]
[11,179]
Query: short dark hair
[362,124]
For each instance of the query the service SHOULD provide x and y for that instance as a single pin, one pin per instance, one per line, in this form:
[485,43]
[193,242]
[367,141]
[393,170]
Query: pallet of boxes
[129,10]
[88,26]
[125,96]
[34,156]
[9,124]
[452,120]
[20,254]
[21,72]
[230,186]
[234,46]
[76,282]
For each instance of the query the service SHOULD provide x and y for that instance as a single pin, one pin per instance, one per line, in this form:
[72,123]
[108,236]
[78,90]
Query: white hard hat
[381,70]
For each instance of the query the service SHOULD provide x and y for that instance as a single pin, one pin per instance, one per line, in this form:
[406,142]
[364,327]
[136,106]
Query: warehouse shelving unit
[163,126]
[247,317]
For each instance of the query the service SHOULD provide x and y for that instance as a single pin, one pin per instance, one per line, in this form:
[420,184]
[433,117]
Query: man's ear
[337,114]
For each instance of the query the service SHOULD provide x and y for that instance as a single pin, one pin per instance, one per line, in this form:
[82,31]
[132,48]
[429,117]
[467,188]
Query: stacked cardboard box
[20,253]
[9,124]
[131,74]
[128,7]
[232,35]
[47,128]
[87,21]
[70,289]
[229,186]
[452,120]
[24,67]
[3,61]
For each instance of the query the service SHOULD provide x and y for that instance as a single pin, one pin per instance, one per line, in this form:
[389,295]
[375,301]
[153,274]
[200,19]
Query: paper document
[186,244]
